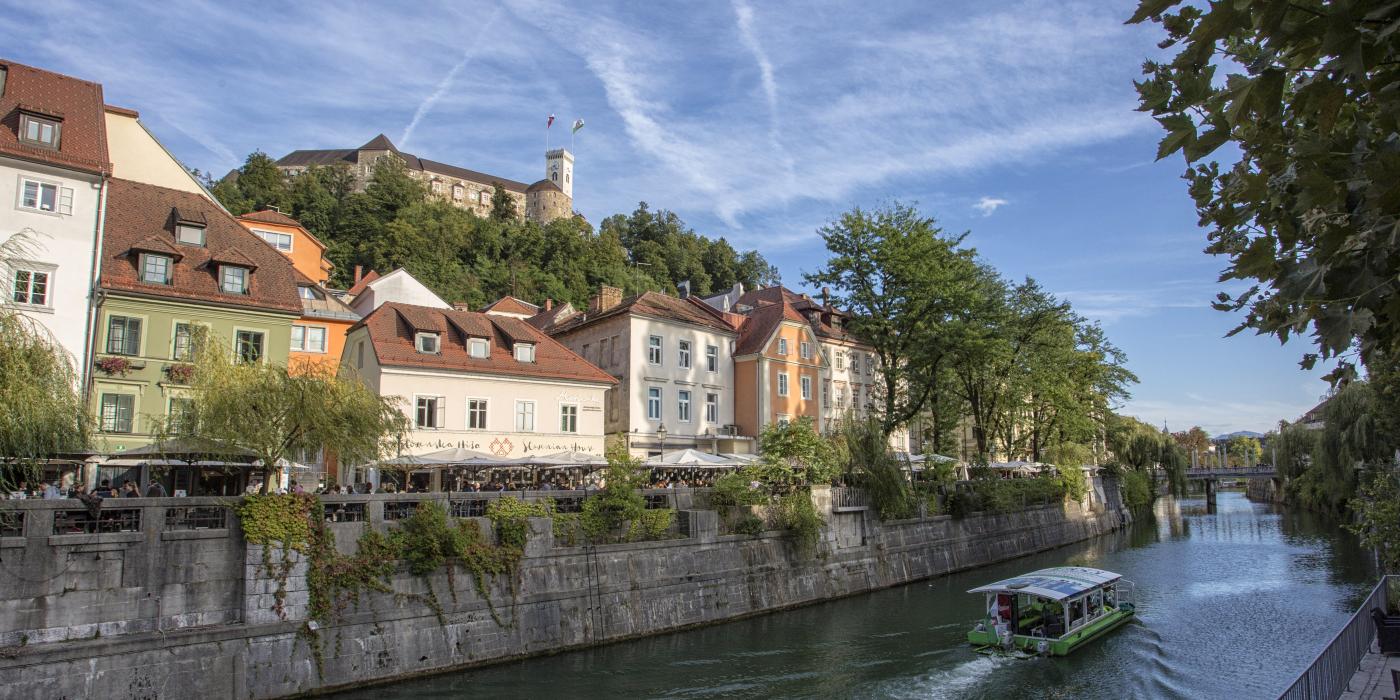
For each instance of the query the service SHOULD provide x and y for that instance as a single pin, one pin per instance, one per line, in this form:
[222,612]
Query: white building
[373,291]
[487,383]
[53,169]
[673,359]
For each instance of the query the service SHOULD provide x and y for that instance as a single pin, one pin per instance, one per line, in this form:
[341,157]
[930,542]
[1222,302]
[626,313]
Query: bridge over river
[1213,475]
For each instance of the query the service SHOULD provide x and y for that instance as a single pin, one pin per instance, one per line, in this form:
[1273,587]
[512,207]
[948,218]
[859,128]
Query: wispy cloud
[443,85]
[989,205]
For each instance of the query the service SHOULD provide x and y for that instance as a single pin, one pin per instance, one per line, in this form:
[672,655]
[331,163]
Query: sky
[755,121]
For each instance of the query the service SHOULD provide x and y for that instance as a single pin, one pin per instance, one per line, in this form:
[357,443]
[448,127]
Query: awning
[568,459]
[1056,583]
[690,458]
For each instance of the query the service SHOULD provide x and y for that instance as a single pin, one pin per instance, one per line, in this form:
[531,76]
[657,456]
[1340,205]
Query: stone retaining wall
[566,597]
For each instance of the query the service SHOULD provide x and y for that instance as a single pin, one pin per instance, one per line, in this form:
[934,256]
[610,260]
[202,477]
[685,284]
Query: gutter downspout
[95,295]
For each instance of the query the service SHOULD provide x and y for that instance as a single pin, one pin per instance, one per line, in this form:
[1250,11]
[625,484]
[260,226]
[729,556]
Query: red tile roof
[82,143]
[813,311]
[759,324]
[512,305]
[364,282]
[140,216]
[653,304]
[270,216]
[391,330]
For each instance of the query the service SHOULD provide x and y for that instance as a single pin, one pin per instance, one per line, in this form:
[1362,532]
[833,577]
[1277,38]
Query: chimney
[359,272]
[548,304]
[684,289]
[461,306]
[608,297]
[826,297]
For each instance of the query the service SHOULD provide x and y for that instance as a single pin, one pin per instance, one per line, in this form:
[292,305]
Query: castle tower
[559,169]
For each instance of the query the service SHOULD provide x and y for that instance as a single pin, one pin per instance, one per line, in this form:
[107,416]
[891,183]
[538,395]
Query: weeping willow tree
[275,414]
[41,409]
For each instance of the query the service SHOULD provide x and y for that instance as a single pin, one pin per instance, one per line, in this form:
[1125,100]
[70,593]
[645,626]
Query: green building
[172,261]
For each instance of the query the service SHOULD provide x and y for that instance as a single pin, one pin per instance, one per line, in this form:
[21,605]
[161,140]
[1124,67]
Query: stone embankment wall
[166,612]
[1266,490]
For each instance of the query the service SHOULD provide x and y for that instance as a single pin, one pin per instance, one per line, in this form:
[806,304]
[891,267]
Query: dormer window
[478,348]
[233,279]
[39,131]
[307,292]
[427,343]
[155,269]
[189,234]
[525,352]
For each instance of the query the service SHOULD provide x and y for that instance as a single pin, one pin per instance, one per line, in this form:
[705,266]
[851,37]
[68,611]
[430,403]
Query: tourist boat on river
[1052,611]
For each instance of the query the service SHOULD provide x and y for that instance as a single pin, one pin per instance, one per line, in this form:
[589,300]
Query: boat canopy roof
[1058,583]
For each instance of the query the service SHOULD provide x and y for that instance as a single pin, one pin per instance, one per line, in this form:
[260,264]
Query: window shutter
[441,412]
[65,200]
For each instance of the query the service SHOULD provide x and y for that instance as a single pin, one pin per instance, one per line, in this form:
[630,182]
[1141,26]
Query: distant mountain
[1237,433]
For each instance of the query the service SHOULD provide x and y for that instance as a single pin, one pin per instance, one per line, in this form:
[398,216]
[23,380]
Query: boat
[1051,611]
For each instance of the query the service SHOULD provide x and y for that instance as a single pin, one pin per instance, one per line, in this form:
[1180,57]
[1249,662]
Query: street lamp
[661,435]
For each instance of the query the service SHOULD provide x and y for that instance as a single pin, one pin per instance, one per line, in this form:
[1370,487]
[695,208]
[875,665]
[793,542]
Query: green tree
[264,409]
[503,204]
[907,285]
[1310,98]
[797,447]
[1195,441]
[1242,451]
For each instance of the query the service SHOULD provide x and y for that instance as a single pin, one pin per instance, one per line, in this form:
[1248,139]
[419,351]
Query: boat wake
[957,682]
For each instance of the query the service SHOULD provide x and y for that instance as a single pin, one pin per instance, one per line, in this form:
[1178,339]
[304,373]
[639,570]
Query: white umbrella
[690,458]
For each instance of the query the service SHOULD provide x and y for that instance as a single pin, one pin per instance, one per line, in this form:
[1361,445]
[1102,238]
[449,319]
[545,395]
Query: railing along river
[1327,677]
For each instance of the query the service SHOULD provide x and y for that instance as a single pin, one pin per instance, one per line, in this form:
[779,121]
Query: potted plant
[113,365]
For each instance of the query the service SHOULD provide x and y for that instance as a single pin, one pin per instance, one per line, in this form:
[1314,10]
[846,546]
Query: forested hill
[465,257]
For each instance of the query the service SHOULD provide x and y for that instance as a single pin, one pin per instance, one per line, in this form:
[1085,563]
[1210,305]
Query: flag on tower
[578,124]
[550,122]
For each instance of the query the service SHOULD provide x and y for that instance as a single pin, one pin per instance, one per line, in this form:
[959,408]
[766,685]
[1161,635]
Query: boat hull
[1063,646]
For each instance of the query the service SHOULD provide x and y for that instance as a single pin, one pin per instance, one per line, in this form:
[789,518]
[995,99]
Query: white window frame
[62,197]
[525,352]
[180,229]
[474,343]
[683,405]
[15,267]
[566,417]
[654,349]
[305,343]
[840,359]
[654,400]
[804,350]
[712,358]
[683,353]
[782,346]
[269,236]
[712,408]
[782,384]
[55,127]
[805,382]
[439,411]
[472,410]
[418,343]
[520,415]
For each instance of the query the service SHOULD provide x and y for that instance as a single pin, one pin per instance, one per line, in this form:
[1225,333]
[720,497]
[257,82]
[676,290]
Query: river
[1232,604]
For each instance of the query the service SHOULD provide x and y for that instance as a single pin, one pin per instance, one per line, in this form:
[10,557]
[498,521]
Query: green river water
[1232,604]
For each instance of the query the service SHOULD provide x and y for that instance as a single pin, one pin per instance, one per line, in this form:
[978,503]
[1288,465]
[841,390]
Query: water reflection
[1232,604]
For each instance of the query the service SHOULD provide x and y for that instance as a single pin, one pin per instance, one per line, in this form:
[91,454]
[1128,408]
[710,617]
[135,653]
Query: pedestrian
[129,490]
[155,490]
[104,490]
[296,488]
[52,492]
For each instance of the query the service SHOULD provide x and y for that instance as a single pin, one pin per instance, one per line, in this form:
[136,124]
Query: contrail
[743,14]
[443,85]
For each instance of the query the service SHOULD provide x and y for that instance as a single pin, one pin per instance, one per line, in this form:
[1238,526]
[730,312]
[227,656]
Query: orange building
[777,369]
[318,337]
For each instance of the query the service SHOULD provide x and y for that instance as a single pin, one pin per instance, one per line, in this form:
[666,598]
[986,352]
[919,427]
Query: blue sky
[757,121]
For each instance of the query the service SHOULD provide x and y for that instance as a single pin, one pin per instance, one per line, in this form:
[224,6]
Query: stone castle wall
[213,632]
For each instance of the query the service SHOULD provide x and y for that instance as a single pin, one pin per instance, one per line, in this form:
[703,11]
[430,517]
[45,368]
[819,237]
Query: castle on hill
[546,200]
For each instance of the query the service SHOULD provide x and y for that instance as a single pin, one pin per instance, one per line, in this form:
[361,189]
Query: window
[478,348]
[117,412]
[711,358]
[30,287]
[840,396]
[360,355]
[189,234]
[437,187]
[427,343]
[683,406]
[233,279]
[654,349]
[612,351]
[683,353]
[587,348]
[603,353]
[248,346]
[430,411]
[568,418]
[183,346]
[180,412]
[826,391]
[804,350]
[840,359]
[307,292]
[525,416]
[711,408]
[782,384]
[46,196]
[525,352]
[457,192]
[38,131]
[870,365]
[123,335]
[476,414]
[654,403]
[280,241]
[308,338]
[782,346]
[155,269]
[806,383]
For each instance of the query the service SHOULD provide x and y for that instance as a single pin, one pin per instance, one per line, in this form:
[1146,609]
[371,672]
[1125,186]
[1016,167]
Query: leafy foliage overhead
[1308,93]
